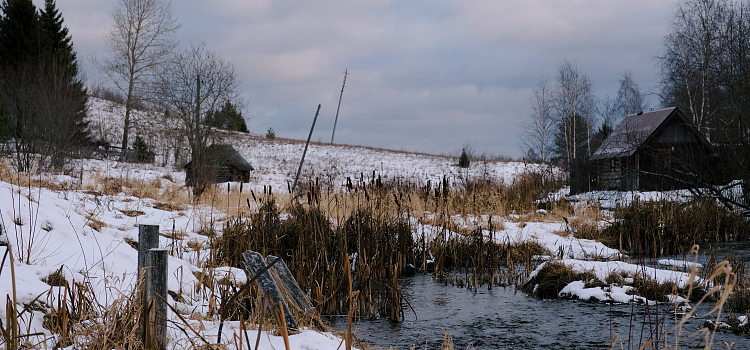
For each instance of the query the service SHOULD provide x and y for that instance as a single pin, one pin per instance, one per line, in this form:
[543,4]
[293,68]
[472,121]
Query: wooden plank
[253,264]
[289,283]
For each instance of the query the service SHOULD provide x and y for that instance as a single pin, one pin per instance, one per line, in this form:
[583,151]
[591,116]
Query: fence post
[148,238]
[156,293]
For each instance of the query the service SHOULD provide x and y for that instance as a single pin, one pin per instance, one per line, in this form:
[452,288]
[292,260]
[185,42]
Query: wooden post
[296,178]
[339,107]
[156,293]
[148,238]
[253,264]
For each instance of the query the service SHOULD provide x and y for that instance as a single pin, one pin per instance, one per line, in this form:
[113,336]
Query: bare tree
[588,109]
[629,99]
[537,127]
[140,40]
[692,51]
[195,82]
[573,101]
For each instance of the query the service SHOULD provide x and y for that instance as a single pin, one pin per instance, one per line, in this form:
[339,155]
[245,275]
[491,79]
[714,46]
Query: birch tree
[139,42]
[573,101]
[629,98]
[538,126]
[693,49]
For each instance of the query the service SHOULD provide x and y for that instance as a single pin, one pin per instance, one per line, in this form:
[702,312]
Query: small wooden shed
[656,150]
[224,164]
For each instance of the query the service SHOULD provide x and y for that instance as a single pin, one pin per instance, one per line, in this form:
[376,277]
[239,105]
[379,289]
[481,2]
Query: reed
[655,228]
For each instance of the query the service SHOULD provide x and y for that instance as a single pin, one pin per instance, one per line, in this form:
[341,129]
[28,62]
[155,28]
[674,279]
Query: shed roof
[635,130]
[231,155]
[228,153]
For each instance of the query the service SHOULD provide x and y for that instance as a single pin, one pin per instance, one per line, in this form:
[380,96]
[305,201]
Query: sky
[424,75]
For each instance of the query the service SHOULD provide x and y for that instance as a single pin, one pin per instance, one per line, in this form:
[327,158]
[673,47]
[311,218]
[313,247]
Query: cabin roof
[636,129]
[231,155]
[228,153]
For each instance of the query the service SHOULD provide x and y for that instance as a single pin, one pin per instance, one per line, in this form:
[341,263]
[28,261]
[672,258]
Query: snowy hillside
[276,161]
[83,222]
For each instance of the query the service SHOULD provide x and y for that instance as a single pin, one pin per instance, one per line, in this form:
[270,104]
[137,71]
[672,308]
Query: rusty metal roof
[631,134]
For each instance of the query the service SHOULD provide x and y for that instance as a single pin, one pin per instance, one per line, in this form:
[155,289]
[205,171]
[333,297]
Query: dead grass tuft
[132,213]
[56,279]
[552,278]
[168,206]
[94,223]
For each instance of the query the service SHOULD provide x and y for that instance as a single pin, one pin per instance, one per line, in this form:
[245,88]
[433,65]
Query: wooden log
[253,264]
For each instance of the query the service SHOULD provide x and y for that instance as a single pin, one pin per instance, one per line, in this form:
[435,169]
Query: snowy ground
[85,232]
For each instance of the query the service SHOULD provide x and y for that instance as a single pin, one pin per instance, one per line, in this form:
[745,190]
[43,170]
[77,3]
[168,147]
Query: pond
[504,318]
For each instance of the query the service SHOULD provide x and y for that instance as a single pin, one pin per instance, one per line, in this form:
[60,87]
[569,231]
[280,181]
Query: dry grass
[94,223]
[132,213]
[168,206]
[657,228]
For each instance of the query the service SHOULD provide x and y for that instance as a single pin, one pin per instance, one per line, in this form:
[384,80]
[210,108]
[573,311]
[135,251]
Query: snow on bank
[614,292]
[553,236]
[680,264]
[86,234]
[611,199]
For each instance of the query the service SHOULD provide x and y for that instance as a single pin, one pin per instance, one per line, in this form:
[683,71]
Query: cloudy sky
[424,75]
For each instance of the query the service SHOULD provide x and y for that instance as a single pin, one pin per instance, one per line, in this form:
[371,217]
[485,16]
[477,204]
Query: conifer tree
[57,43]
[43,99]
[19,33]
[463,160]
[227,118]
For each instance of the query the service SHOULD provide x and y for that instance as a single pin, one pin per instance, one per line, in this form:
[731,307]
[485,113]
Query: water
[504,318]
[740,249]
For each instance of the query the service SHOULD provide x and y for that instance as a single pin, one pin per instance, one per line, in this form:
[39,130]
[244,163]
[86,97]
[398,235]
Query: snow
[680,264]
[50,229]
[617,294]
[613,292]
[57,222]
[611,199]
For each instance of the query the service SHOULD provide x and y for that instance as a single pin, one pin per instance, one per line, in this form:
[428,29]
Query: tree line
[562,124]
[43,98]
[704,70]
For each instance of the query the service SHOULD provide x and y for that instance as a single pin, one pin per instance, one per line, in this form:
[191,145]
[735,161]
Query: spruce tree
[463,160]
[41,92]
[19,33]
[57,43]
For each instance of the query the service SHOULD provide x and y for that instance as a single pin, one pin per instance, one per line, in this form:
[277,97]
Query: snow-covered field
[85,232]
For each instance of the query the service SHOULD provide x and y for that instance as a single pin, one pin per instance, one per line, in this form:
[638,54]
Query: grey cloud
[426,75]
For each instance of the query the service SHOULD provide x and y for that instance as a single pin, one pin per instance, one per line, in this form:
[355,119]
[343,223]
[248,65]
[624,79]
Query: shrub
[655,228]
[142,153]
[270,134]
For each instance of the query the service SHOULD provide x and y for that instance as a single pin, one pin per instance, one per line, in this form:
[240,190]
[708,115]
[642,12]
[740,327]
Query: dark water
[508,319]
[739,249]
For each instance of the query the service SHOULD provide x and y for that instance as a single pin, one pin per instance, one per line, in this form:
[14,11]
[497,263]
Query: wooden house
[656,150]
[223,164]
